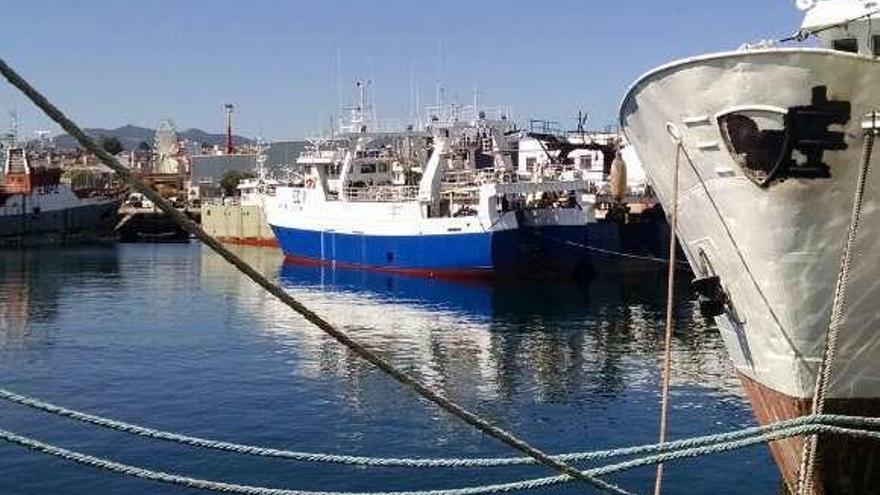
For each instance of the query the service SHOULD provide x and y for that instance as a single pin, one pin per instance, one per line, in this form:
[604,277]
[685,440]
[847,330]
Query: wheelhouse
[851,26]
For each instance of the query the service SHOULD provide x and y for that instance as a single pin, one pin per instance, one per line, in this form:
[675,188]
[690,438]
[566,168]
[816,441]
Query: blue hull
[430,254]
[532,252]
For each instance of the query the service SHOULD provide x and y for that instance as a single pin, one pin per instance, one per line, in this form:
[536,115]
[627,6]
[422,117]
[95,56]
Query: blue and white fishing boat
[443,201]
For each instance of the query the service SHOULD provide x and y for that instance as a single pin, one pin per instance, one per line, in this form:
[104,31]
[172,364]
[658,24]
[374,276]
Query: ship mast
[13,129]
[361,116]
[261,159]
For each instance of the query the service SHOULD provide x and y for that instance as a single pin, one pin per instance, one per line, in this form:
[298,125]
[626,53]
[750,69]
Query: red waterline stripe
[456,274]
[250,241]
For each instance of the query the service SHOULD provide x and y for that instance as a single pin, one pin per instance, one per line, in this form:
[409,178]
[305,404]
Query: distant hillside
[131,136]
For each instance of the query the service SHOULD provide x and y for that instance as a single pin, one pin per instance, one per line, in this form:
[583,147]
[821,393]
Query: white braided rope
[252,450]
[223,487]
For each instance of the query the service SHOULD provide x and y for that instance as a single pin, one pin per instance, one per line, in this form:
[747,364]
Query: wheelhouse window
[368,168]
[850,45]
[585,161]
[757,140]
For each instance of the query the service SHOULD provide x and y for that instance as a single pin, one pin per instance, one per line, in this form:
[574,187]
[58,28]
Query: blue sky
[113,62]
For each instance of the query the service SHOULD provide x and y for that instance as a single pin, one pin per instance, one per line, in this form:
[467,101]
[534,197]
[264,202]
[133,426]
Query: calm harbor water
[169,336]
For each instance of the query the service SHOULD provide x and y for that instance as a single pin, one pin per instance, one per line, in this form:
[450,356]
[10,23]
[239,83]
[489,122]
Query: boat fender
[712,298]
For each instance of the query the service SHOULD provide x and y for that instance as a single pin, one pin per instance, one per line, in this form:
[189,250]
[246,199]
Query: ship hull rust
[847,464]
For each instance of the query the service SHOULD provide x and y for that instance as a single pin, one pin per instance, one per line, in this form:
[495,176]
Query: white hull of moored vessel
[770,144]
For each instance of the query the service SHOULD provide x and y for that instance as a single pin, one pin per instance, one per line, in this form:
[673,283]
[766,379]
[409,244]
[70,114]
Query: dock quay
[237,223]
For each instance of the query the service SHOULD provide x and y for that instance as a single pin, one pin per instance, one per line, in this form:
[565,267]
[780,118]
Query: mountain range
[131,136]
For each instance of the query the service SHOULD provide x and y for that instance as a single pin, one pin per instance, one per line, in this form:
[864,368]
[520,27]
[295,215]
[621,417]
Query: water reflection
[558,341]
[172,337]
[33,283]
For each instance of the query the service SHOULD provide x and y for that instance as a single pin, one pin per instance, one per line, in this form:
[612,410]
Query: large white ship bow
[770,143]
[775,248]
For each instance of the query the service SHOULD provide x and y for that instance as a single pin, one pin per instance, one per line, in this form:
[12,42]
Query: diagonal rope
[670,315]
[340,336]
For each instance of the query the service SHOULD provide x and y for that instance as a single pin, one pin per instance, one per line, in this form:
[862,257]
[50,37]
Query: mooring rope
[809,454]
[619,254]
[223,487]
[312,457]
[670,316]
[809,429]
[273,288]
